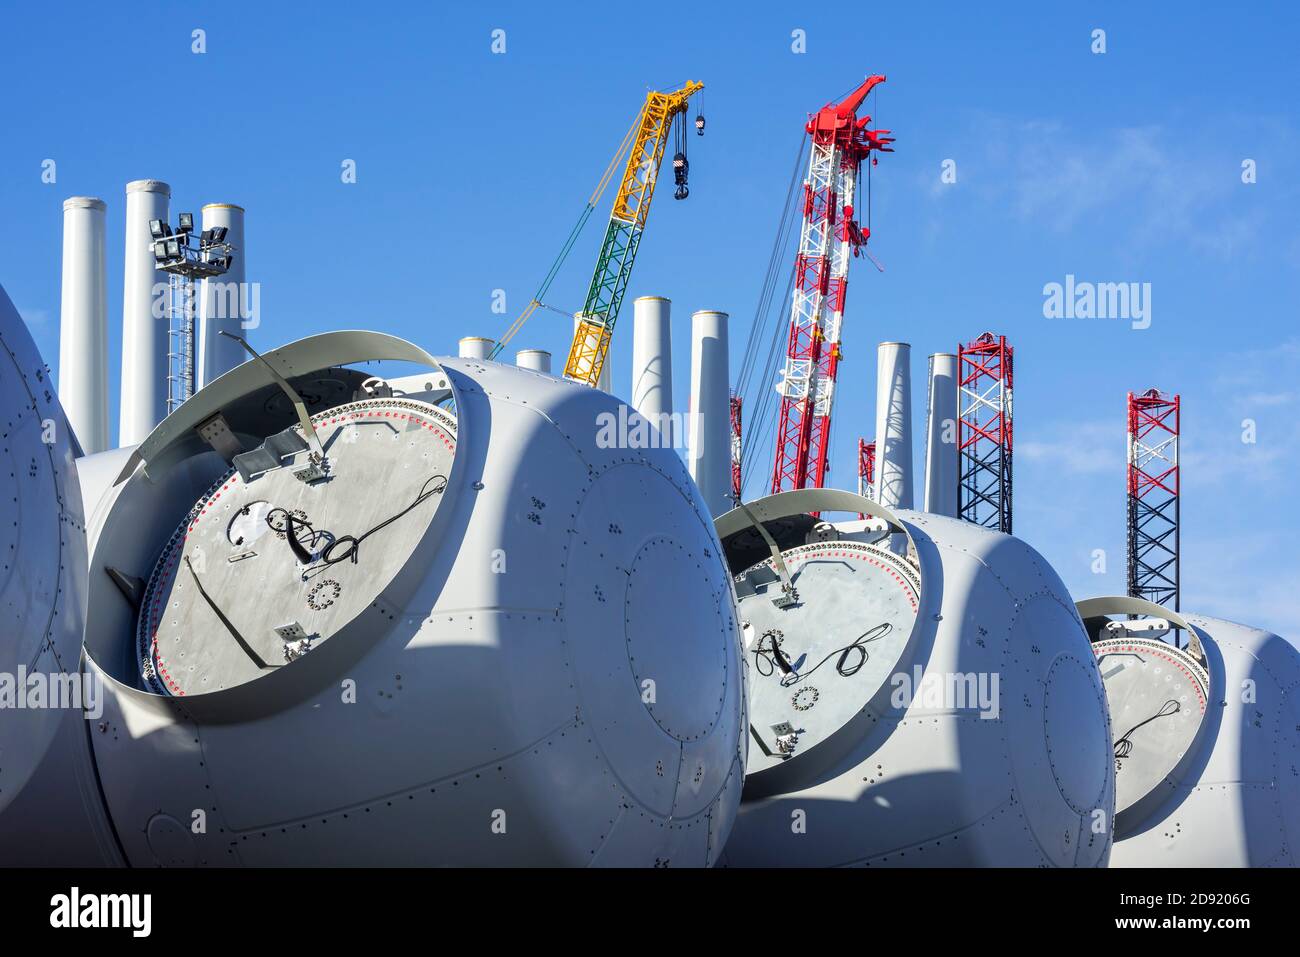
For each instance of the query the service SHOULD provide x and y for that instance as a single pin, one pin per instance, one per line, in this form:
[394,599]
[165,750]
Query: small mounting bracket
[217,433]
[296,640]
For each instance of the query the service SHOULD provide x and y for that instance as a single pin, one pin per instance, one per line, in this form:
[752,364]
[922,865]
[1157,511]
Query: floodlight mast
[176,254]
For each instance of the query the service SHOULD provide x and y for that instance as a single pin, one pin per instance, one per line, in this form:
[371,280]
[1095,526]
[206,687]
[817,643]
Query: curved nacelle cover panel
[174,437]
[46,782]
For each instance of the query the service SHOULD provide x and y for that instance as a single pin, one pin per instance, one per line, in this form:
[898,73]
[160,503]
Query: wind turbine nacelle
[465,634]
[1205,745]
[922,697]
[46,777]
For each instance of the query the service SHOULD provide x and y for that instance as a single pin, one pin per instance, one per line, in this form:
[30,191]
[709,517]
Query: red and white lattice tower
[1153,497]
[736,403]
[866,467]
[984,378]
[830,236]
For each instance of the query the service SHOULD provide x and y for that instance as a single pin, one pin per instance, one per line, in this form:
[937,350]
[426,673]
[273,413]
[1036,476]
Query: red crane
[829,238]
[866,467]
[736,405]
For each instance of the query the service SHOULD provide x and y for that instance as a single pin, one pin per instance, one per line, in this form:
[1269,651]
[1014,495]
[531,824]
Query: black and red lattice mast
[1153,497]
[984,370]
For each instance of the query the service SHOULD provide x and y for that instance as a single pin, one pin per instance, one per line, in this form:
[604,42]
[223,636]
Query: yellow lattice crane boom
[623,235]
[644,144]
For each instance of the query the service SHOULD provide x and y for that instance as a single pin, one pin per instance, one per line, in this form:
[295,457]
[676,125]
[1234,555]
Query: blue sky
[471,167]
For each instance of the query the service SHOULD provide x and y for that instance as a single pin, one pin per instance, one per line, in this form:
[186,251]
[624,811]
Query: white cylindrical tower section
[539,360]
[652,364]
[941,437]
[226,302]
[83,323]
[144,327]
[709,452]
[474,347]
[894,425]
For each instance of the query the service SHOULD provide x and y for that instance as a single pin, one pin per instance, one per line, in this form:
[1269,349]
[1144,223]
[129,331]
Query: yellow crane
[644,143]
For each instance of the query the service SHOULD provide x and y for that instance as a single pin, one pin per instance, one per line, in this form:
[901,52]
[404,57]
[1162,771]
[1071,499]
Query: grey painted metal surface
[83,323]
[143,382]
[228,577]
[46,781]
[709,438]
[929,772]
[1231,796]
[537,360]
[894,424]
[520,692]
[175,438]
[652,358]
[941,471]
[475,347]
[224,301]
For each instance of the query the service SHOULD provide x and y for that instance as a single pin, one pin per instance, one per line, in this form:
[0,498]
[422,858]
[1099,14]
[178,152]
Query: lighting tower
[840,142]
[984,378]
[175,253]
[736,403]
[1153,497]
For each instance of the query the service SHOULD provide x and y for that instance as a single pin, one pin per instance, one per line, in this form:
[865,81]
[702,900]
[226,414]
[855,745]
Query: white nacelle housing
[934,702]
[536,663]
[1205,739]
[46,779]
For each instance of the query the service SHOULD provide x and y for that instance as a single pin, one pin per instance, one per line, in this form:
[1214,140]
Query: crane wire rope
[618,160]
[758,371]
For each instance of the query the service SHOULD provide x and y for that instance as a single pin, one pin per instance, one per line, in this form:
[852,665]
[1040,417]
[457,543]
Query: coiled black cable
[851,656]
[291,523]
[1124,746]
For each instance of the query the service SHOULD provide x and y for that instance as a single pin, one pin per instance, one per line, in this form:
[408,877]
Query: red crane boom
[829,237]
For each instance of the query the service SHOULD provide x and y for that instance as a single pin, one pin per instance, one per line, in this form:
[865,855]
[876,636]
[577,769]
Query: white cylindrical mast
[83,323]
[226,302]
[709,451]
[474,347]
[652,364]
[539,360]
[894,425]
[941,437]
[144,316]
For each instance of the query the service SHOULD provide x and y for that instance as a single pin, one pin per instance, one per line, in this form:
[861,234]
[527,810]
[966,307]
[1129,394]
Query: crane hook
[681,170]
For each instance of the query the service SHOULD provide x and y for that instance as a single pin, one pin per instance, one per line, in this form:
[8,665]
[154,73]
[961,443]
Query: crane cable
[758,372]
[619,158]
[762,413]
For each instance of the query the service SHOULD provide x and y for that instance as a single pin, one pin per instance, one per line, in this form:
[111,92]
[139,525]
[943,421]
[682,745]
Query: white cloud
[1091,448]
[1150,188]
